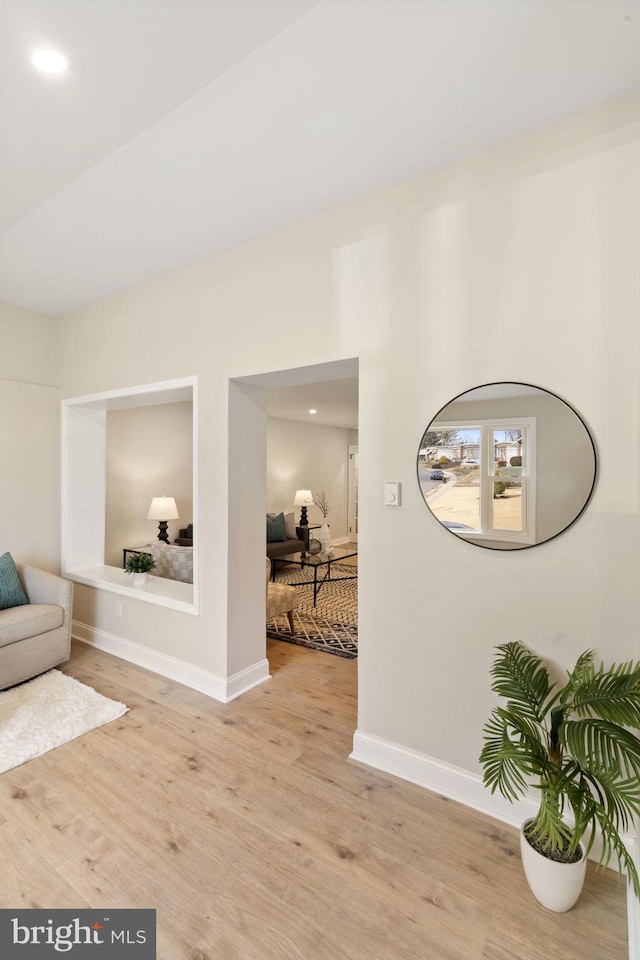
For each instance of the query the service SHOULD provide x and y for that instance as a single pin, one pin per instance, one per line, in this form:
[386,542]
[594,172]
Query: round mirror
[506,466]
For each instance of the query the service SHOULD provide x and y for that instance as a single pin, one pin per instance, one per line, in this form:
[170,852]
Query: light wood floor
[255,838]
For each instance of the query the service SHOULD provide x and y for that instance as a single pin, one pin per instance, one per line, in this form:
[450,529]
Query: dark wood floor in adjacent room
[255,837]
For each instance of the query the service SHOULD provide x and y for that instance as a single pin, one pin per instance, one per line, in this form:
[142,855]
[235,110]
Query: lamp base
[162,528]
[304,521]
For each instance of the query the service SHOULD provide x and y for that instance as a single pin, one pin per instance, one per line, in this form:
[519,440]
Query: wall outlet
[118,609]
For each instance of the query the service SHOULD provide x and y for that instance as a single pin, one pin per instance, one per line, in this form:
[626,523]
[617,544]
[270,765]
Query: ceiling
[186,127]
[335,403]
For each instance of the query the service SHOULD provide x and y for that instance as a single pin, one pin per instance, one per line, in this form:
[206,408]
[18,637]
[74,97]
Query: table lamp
[163,509]
[303,499]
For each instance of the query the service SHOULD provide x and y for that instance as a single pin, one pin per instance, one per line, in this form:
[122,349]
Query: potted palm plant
[139,564]
[572,743]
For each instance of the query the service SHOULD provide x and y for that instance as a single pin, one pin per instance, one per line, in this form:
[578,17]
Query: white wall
[520,264]
[29,438]
[303,456]
[149,453]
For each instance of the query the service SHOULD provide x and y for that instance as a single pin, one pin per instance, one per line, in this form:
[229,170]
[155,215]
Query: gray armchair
[36,636]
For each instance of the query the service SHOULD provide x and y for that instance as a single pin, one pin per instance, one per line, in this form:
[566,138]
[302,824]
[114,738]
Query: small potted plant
[573,744]
[139,564]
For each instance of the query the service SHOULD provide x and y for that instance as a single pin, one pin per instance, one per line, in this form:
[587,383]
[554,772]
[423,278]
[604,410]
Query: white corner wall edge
[633,906]
[220,688]
[467,788]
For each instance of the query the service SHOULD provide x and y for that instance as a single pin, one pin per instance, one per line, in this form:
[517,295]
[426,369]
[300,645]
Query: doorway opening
[277,447]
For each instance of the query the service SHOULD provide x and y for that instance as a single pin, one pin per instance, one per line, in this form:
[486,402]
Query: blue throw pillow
[11,592]
[276,532]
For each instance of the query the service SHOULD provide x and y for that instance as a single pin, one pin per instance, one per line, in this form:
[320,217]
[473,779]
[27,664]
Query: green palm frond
[579,675]
[522,679]
[619,799]
[612,694]
[507,765]
[602,747]
[612,843]
[513,753]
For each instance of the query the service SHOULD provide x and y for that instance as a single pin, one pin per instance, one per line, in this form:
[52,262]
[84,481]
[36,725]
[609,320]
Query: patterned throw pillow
[276,532]
[11,592]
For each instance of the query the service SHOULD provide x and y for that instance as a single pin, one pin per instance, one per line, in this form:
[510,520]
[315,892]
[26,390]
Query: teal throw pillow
[276,532]
[11,592]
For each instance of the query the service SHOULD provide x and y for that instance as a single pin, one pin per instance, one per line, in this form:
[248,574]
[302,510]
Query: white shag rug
[46,712]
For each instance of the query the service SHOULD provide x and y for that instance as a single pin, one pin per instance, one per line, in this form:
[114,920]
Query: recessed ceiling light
[50,61]
[313,411]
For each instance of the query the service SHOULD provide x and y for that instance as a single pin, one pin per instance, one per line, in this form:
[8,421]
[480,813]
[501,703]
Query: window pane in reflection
[508,447]
[507,506]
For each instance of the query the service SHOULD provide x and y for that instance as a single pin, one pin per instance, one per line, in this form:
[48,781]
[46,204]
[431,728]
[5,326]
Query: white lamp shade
[303,498]
[163,508]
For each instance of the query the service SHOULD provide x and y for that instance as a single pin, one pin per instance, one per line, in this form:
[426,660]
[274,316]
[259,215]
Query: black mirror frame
[525,546]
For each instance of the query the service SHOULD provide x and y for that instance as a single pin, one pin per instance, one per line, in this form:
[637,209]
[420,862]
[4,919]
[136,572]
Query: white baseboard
[220,688]
[240,682]
[467,788]
[438,776]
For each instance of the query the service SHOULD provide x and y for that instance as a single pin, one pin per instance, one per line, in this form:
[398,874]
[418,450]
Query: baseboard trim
[246,679]
[440,777]
[219,688]
[467,788]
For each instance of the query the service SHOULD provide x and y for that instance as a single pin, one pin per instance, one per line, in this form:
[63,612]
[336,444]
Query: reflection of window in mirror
[506,465]
[478,478]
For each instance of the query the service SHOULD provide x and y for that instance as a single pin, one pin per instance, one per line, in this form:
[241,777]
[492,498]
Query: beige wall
[29,438]
[520,264]
[309,457]
[149,453]
[28,346]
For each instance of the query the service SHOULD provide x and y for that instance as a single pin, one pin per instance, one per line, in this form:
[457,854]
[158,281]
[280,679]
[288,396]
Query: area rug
[332,625]
[46,712]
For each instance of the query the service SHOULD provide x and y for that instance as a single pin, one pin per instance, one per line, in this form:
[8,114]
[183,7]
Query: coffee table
[318,562]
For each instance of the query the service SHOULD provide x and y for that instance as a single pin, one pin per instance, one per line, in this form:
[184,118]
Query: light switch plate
[392,494]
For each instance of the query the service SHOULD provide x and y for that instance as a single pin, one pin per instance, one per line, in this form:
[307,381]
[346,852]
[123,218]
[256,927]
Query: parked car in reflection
[436,475]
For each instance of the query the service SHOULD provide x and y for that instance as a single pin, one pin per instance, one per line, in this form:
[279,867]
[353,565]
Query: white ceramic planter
[555,885]
[140,578]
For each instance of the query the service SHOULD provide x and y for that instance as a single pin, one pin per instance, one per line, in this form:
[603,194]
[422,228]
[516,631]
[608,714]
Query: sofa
[35,636]
[185,536]
[283,536]
[172,562]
